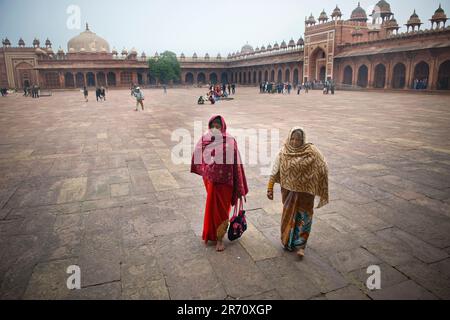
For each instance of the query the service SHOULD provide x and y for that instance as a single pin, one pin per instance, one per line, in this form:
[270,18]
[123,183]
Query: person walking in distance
[139,95]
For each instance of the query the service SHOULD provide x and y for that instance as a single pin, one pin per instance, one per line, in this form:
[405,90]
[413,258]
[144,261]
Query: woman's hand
[270,194]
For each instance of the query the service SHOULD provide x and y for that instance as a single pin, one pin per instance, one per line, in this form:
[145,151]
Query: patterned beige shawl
[302,169]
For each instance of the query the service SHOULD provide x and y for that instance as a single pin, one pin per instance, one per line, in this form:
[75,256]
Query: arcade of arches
[79,79]
[245,76]
[395,73]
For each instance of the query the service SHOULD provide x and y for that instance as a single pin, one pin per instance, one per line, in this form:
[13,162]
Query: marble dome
[89,41]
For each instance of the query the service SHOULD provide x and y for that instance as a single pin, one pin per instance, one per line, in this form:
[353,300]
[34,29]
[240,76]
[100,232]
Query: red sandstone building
[352,52]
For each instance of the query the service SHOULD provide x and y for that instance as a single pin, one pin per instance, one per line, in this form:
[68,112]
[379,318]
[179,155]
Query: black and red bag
[238,223]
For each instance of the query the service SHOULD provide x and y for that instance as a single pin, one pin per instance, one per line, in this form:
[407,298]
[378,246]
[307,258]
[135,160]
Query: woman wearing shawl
[216,158]
[302,172]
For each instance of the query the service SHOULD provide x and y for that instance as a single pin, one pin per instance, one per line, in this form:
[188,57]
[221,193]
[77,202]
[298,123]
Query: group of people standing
[328,87]
[421,84]
[100,93]
[34,91]
[272,87]
[299,168]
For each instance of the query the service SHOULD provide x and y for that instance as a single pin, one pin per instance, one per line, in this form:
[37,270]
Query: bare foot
[219,246]
[301,253]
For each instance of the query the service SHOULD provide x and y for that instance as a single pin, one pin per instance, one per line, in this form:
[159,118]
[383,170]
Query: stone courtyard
[93,184]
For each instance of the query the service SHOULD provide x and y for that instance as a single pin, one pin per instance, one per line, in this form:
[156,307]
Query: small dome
[414,20]
[276,46]
[263,49]
[269,47]
[336,12]
[60,51]
[133,51]
[207,56]
[301,42]
[383,6]
[182,56]
[219,56]
[156,54]
[36,42]
[143,55]
[114,52]
[71,50]
[124,52]
[21,43]
[246,49]
[283,45]
[323,16]
[229,56]
[291,43]
[311,20]
[359,14]
[194,56]
[439,15]
[6,42]
[48,43]
[257,50]
[103,50]
[82,50]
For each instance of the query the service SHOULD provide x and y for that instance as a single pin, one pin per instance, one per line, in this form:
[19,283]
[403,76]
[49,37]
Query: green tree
[165,68]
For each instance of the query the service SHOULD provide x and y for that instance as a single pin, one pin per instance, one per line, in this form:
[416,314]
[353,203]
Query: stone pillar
[409,74]
[85,79]
[354,75]
[387,84]
[74,79]
[370,75]
[95,79]
[434,73]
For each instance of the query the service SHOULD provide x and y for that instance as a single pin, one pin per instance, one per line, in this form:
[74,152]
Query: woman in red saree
[216,158]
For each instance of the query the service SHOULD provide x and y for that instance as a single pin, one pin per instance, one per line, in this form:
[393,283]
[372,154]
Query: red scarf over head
[210,160]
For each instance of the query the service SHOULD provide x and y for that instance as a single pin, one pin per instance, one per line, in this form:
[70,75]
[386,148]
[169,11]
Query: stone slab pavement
[94,184]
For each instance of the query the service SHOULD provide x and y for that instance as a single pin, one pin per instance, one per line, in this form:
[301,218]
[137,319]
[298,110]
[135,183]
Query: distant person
[139,95]
[233,88]
[85,93]
[229,88]
[165,89]
[103,93]
[98,94]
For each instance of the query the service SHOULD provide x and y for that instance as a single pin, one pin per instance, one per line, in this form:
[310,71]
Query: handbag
[238,222]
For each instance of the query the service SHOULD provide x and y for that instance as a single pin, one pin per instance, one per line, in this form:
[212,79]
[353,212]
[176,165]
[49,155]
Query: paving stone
[235,260]
[389,277]
[346,261]
[347,293]
[411,244]
[290,282]
[163,180]
[407,290]
[428,278]
[257,245]
[49,281]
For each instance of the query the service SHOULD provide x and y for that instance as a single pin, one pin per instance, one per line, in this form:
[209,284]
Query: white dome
[88,40]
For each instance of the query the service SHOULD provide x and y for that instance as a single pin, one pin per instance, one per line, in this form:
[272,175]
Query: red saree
[217,210]
[224,181]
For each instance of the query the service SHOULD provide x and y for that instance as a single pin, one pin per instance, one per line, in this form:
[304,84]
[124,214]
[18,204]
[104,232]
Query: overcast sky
[183,26]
